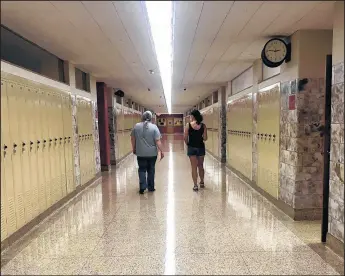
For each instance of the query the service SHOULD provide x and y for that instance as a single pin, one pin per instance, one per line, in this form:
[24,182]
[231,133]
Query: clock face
[275,51]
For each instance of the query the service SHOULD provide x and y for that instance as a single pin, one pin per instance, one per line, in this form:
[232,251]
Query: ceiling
[214,41]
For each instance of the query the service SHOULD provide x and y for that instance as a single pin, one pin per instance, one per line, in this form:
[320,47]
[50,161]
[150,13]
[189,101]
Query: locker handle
[31,143]
[23,144]
[50,140]
[55,139]
[38,142]
[5,147]
[60,138]
[14,145]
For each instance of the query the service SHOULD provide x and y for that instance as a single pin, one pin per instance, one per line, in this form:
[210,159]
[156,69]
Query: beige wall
[315,45]
[338,32]
[243,81]
[20,72]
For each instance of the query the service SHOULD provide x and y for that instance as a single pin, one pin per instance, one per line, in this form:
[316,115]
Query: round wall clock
[275,52]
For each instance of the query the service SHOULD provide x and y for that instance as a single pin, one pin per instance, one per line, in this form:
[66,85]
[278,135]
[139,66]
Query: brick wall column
[103,123]
[222,123]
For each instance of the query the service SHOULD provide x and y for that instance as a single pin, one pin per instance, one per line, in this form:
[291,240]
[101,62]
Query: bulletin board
[178,122]
[161,122]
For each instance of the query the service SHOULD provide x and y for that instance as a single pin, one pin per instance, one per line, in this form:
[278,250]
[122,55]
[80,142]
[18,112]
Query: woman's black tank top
[195,138]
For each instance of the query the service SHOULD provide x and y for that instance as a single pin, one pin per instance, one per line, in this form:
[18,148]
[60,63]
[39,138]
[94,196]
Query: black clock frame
[271,64]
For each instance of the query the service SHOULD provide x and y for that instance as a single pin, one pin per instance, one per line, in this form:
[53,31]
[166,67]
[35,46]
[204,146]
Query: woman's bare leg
[201,169]
[194,165]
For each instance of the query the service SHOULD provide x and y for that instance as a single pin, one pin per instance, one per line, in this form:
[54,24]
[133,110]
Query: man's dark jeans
[147,166]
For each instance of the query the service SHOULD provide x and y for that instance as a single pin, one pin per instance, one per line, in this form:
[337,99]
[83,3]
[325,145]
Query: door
[327,147]
[170,126]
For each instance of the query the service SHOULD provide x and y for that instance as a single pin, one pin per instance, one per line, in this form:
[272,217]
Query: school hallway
[226,228]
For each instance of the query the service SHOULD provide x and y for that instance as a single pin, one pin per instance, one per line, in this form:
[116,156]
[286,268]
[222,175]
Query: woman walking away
[146,141]
[195,134]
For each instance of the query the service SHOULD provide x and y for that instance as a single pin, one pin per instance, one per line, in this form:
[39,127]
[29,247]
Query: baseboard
[295,214]
[336,245]
[24,230]
[122,159]
[214,156]
[105,168]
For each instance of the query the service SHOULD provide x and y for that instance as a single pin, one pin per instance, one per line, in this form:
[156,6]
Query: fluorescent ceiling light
[160,18]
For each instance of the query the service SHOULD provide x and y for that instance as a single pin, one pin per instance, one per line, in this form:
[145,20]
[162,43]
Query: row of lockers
[125,121]
[240,131]
[211,117]
[37,164]
[211,120]
[126,118]
[239,135]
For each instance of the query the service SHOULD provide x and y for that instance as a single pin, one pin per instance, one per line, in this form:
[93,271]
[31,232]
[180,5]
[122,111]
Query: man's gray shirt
[145,140]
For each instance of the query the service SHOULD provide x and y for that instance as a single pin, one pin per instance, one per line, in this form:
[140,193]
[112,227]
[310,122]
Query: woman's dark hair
[197,115]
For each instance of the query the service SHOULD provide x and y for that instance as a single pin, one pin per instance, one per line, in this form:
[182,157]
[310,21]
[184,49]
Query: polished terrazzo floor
[225,229]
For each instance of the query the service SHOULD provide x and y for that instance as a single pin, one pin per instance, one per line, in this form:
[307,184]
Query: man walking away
[146,141]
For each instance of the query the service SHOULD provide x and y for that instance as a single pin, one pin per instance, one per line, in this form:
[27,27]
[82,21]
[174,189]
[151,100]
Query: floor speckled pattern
[227,229]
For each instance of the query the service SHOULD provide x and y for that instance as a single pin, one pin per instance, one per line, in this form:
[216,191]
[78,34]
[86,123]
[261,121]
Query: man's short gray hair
[147,116]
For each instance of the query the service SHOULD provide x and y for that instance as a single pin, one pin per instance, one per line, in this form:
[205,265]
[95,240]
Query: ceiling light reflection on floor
[160,18]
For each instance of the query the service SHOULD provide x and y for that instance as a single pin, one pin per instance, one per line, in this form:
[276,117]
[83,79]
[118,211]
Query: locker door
[32,148]
[13,94]
[46,109]
[56,130]
[70,144]
[64,135]
[80,130]
[40,131]
[50,147]
[25,116]
[3,190]
[60,145]
[8,221]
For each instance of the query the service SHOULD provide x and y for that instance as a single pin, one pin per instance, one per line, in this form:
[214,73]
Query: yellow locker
[61,145]
[24,120]
[3,196]
[13,94]
[45,100]
[268,139]
[8,211]
[33,122]
[54,162]
[43,173]
[67,124]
